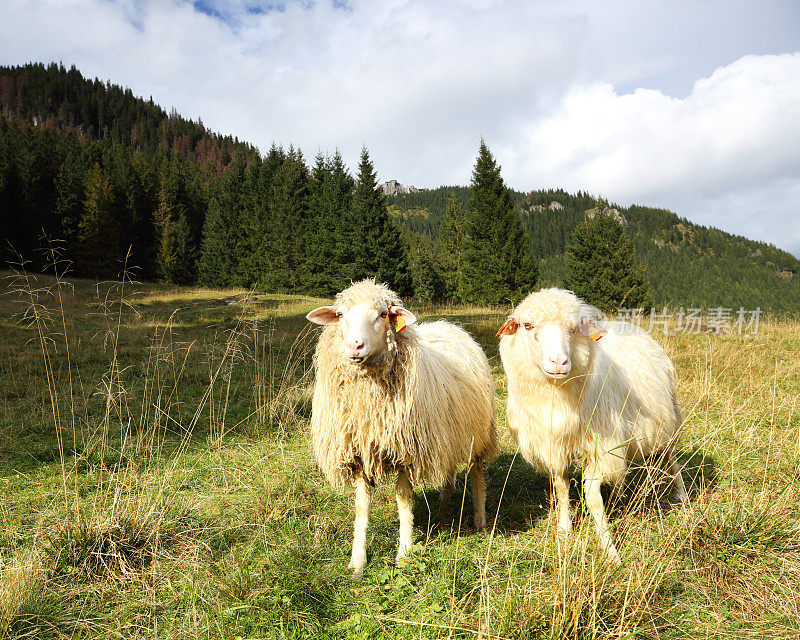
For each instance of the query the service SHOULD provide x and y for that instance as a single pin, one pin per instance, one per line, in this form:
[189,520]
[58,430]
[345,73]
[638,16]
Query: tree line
[684,263]
[113,175]
[269,222]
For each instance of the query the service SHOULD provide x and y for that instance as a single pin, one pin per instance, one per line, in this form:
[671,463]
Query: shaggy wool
[619,402]
[426,407]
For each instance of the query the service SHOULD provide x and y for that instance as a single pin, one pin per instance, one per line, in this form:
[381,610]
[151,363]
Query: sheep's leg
[594,500]
[478,476]
[363,499]
[447,493]
[405,498]
[679,489]
[560,482]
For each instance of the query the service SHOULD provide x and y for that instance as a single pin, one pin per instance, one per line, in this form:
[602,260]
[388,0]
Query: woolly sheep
[395,396]
[578,391]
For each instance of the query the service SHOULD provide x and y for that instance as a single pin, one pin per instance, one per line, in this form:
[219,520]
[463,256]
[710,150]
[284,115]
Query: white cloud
[734,135]
[575,94]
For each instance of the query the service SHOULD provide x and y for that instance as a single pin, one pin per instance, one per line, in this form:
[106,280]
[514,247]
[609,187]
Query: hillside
[687,264]
[55,97]
[88,164]
[117,180]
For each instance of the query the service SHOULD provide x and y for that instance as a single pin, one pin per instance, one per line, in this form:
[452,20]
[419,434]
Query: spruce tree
[495,266]
[339,192]
[451,247]
[331,191]
[284,248]
[319,247]
[219,252]
[428,282]
[132,177]
[70,195]
[252,264]
[376,245]
[600,263]
[176,256]
[102,248]
[185,252]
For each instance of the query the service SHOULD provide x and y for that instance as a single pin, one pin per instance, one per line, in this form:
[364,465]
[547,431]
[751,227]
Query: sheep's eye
[338,314]
[384,314]
[528,326]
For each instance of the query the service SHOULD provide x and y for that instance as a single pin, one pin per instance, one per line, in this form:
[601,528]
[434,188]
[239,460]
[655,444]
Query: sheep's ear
[590,322]
[401,317]
[509,328]
[323,315]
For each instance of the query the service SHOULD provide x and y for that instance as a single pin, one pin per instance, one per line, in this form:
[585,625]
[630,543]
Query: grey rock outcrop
[393,188]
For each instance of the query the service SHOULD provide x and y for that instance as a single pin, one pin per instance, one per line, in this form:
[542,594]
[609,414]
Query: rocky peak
[393,188]
[613,213]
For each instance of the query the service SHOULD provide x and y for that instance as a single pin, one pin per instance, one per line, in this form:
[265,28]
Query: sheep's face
[367,328]
[552,333]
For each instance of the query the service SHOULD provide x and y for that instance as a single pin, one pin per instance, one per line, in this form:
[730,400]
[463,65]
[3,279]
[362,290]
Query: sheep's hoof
[357,565]
[399,559]
[613,555]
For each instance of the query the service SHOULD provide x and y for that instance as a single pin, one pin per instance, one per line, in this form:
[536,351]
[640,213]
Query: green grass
[156,481]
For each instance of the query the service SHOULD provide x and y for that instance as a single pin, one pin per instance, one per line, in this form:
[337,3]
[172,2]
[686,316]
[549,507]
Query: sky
[689,105]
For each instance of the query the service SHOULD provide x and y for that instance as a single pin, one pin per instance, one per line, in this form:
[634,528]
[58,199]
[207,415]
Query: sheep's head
[551,331]
[369,316]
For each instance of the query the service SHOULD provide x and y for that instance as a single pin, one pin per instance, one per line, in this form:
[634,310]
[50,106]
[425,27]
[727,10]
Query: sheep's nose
[560,360]
[355,347]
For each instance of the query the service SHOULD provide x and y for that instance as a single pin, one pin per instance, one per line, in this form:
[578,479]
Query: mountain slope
[687,264]
[54,96]
[87,162]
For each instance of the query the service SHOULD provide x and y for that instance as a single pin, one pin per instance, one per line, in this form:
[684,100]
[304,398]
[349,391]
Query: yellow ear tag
[399,323]
[595,335]
[509,328]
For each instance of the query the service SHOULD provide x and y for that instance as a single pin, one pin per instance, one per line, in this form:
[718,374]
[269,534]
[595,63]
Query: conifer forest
[116,182]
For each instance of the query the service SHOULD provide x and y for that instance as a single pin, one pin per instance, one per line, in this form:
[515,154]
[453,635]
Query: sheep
[581,391]
[394,396]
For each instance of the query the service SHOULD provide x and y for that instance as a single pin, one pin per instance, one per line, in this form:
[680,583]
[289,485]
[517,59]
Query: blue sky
[691,105]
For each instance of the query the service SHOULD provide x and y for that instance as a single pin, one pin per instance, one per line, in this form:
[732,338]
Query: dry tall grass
[157,482]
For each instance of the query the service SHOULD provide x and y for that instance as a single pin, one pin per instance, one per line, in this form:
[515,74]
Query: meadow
[157,481]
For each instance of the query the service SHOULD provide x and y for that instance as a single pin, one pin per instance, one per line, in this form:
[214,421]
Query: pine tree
[428,282]
[102,253]
[495,267]
[255,223]
[601,268]
[451,242]
[376,245]
[176,257]
[219,252]
[331,191]
[285,240]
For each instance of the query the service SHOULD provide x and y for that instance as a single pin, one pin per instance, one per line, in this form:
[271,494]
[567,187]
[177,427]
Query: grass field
[156,481]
